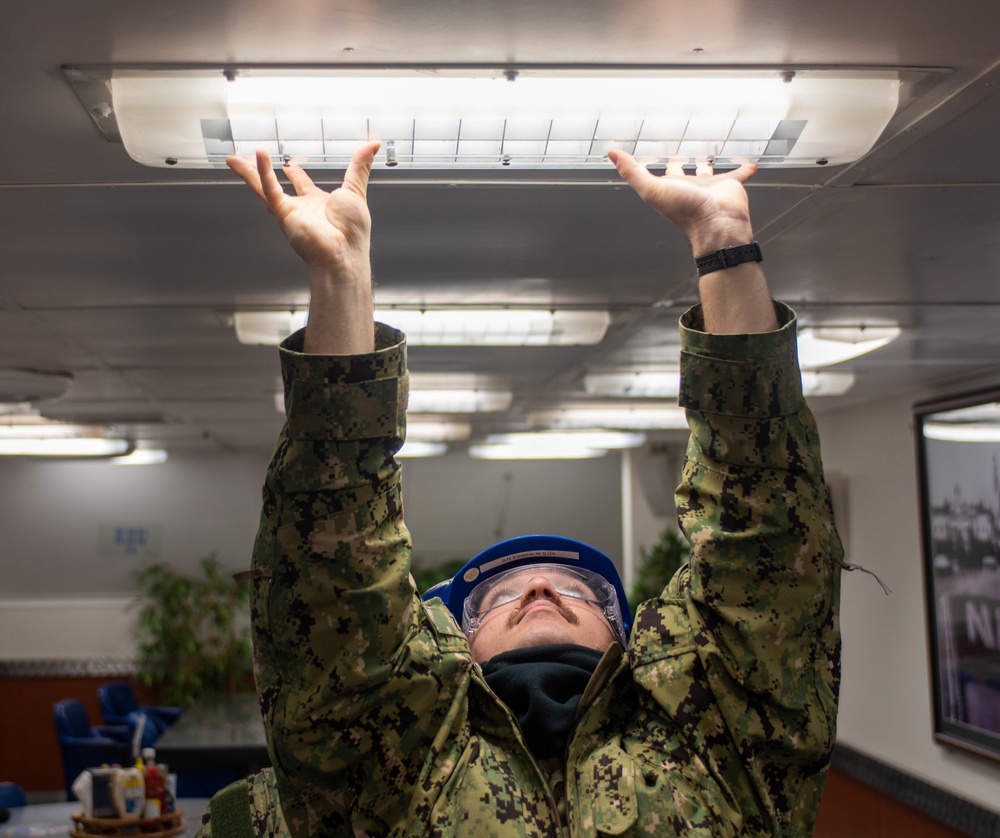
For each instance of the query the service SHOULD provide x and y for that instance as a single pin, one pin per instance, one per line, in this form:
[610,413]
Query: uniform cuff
[345,396]
[754,375]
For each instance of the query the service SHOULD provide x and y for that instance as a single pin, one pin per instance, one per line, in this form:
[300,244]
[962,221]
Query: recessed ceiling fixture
[448,327]
[824,346]
[962,432]
[490,117]
[618,415]
[64,447]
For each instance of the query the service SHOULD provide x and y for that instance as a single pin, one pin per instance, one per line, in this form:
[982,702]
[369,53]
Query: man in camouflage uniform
[719,717]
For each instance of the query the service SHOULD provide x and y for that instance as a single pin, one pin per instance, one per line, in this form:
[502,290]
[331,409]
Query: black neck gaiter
[542,686]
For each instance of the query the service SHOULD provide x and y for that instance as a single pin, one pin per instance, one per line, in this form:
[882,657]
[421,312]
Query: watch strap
[728,257]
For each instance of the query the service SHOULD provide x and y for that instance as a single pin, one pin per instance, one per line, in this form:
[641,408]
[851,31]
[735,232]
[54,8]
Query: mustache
[568,615]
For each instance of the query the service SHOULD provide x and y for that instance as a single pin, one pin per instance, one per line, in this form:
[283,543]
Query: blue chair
[119,706]
[84,746]
[11,796]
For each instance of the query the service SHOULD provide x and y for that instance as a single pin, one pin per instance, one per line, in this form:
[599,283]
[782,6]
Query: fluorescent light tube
[637,384]
[622,417]
[448,327]
[141,457]
[498,327]
[825,346]
[969,432]
[552,450]
[459,401]
[415,448]
[424,431]
[453,117]
[599,439]
[76,447]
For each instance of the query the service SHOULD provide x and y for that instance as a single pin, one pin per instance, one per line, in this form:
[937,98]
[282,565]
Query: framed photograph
[958,454]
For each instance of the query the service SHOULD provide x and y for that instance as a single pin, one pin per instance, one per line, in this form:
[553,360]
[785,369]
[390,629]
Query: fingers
[271,190]
[248,173]
[634,174]
[357,174]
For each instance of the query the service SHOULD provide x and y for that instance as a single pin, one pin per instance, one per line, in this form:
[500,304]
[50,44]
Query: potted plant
[193,635]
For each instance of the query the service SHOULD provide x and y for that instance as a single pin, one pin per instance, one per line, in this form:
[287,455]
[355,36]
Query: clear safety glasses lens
[506,588]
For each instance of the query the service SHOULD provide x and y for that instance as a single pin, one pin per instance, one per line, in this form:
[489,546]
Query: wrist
[708,239]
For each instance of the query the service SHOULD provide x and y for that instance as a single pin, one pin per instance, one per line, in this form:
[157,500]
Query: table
[222,730]
[51,819]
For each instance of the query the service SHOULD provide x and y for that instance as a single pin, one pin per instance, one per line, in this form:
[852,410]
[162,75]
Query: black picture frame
[958,460]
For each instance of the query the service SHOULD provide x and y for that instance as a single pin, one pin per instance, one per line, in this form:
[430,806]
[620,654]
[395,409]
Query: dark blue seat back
[12,795]
[117,700]
[84,746]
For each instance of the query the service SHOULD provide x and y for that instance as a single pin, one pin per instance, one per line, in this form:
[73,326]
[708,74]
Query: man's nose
[539,587]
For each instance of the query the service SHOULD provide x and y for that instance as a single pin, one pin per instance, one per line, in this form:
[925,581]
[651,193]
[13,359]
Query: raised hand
[331,231]
[712,210]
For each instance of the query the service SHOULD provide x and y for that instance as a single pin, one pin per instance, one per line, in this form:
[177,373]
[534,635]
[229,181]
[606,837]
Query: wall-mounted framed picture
[958,455]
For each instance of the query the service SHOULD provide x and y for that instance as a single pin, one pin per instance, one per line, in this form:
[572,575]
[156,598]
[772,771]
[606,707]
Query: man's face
[538,606]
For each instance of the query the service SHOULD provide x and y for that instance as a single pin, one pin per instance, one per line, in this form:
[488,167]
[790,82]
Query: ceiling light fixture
[475,117]
[536,450]
[826,383]
[635,384]
[64,447]
[415,448]
[968,432]
[614,416]
[448,327]
[141,457]
[607,440]
[824,346]
[459,401]
[418,430]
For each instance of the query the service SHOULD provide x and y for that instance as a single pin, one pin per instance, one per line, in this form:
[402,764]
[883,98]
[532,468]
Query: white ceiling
[124,275]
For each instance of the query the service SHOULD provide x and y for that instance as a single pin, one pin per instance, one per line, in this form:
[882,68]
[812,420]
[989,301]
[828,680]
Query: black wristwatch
[728,257]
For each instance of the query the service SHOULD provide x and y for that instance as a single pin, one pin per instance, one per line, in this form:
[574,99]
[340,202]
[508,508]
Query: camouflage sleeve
[350,678]
[758,601]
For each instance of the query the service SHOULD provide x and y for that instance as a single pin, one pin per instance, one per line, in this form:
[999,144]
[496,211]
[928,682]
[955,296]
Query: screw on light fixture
[787,76]
[510,75]
[171,161]
[230,75]
[505,160]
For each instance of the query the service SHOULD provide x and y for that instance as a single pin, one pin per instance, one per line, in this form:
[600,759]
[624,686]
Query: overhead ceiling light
[71,447]
[826,383]
[448,327]
[267,328]
[415,448]
[418,430]
[498,327]
[141,457]
[474,117]
[635,384]
[607,440]
[459,401]
[967,432]
[828,345]
[536,449]
[623,417]
[458,393]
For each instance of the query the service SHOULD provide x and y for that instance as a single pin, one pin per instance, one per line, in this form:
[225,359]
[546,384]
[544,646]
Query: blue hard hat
[524,550]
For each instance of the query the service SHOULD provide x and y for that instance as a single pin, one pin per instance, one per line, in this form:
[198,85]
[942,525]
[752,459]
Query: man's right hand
[331,231]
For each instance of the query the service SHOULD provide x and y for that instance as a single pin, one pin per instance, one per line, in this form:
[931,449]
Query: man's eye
[497,597]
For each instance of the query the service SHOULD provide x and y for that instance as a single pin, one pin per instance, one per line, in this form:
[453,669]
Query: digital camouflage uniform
[717,720]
